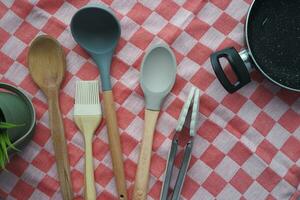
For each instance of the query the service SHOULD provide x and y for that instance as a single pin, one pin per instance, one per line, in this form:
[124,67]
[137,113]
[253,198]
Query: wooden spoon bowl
[47,63]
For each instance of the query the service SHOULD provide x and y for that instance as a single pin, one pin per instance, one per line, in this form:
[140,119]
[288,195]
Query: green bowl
[17,108]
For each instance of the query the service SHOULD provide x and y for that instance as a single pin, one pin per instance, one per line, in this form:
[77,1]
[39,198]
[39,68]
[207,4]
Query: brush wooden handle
[90,191]
[114,143]
[59,145]
[142,175]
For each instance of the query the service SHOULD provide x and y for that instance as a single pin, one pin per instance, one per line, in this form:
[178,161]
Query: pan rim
[253,58]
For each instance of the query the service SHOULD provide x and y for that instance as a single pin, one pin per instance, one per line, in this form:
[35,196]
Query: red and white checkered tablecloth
[247,145]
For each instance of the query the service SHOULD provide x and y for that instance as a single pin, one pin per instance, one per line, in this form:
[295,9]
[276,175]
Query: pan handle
[237,64]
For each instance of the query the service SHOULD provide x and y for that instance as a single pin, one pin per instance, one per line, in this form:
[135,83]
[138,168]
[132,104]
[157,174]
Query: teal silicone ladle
[158,74]
[97,30]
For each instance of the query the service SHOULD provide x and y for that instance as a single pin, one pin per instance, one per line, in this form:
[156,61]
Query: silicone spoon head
[158,74]
[97,30]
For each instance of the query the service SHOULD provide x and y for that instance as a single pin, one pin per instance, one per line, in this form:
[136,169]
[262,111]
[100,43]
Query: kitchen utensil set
[97,30]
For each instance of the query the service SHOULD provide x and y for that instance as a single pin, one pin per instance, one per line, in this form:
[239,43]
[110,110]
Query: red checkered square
[290,120]
[40,107]
[70,128]
[174,108]
[105,194]
[266,151]
[263,123]
[199,53]
[139,13]
[261,97]
[180,84]
[240,153]
[197,28]
[208,105]
[48,185]
[3,9]
[118,68]
[103,175]
[237,126]
[6,62]
[22,8]
[22,190]
[28,85]
[169,33]
[43,138]
[75,154]
[234,102]
[167,9]
[17,165]
[212,156]
[291,148]
[293,176]
[241,181]
[130,169]
[77,180]
[157,140]
[288,96]
[268,179]
[142,38]
[43,161]
[222,4]
[68,103]
[88,71]
[155,190]
[125,117]
[194,5]
[128,143]
[50,7]
[157,165]
[54,27]
[4,36]
[22,58]
[26,32]
[214,184]
[100,149]
[189,187]
[78,4]
[121,92]
[225,24]
[209,130]
[202,79]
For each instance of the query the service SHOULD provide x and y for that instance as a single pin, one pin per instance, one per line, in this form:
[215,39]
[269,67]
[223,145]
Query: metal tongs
[188,117]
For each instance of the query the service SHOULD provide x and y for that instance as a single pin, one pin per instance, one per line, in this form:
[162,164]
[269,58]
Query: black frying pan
[273,46]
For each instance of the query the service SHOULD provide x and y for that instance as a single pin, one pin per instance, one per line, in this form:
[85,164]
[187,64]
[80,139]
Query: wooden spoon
[47,67]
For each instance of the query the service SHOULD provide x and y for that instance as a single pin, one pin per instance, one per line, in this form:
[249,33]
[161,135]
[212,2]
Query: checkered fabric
[247,144]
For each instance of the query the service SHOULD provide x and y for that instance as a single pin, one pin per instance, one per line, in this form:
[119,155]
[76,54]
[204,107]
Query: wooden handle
[142,175]
[90,191]
[60,145]
[114,143]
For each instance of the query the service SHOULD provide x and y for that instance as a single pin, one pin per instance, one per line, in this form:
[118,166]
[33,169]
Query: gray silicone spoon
[97,30]
[158,73]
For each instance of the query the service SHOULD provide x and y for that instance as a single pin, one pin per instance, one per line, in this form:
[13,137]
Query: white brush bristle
[87,98]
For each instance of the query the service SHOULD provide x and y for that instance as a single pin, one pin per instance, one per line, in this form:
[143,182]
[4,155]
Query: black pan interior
[274,39]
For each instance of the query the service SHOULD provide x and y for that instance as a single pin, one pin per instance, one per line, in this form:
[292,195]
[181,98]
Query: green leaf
[6,125]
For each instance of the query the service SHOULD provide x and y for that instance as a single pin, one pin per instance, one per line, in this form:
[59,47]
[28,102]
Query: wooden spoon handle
[60,146]
[114,143]
[142,174]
